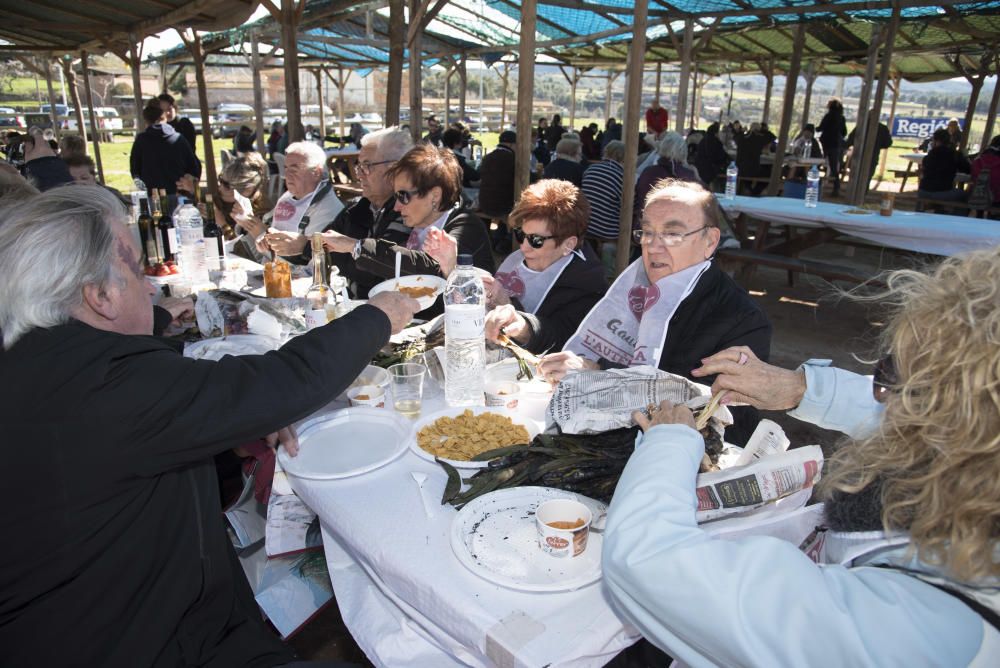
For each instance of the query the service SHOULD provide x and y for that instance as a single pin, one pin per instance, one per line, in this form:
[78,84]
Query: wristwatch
[356,252]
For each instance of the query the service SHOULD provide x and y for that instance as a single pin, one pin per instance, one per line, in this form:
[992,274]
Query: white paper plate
[415,281]
[347,443]
[372,375]
[529,424]
[300,286]
[235,344]
[495,537]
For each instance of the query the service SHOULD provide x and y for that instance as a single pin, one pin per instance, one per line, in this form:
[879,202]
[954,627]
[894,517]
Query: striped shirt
[602,186]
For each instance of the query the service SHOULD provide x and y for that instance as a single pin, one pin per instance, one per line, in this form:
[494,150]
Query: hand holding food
[285,243]
[397,306]
[750,381]
[506,318]
[555,366]
[443,248]
[665,413]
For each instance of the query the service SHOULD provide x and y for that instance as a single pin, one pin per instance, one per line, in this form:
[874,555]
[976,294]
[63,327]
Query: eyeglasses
[406,196]
[534,240]
[646,237]
[366,167]
[884,380]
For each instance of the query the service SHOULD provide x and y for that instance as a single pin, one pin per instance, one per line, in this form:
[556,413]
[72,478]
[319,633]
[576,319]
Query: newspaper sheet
[742,488]
[246,516]
[588,402]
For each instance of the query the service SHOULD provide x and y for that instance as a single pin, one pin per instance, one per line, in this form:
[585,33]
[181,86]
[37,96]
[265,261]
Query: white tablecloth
[409,602]
[932,233]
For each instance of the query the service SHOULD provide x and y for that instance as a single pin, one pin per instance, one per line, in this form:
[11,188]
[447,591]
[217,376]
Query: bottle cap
[464,259]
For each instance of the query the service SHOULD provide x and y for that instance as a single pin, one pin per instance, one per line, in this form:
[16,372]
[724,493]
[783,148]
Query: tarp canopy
[100,26]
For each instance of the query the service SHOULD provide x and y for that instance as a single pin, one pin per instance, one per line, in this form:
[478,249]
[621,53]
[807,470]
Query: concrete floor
[812,319]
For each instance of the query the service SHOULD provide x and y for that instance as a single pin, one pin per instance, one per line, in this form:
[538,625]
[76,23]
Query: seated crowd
[129,563]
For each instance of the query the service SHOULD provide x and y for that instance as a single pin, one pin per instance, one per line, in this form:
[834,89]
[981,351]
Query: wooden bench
[831,272]
[937,205]
[904,174]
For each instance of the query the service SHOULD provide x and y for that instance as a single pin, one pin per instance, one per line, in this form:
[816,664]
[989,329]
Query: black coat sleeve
[135,159]
[192,165]
[193,408]
[48,172]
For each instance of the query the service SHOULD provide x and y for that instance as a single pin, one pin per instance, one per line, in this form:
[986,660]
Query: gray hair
[673,146]
[314,155]
[570,147]
[615,150]
[389,143]
[51,246]
[14,188]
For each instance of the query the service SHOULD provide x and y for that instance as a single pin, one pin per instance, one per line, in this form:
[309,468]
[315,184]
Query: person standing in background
[182,124]
[833,130]
[657,118]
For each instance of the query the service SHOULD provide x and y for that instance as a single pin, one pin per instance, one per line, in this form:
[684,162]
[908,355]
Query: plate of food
[347,443]
[858,211]
[458,435]
[425,288]
[495,537]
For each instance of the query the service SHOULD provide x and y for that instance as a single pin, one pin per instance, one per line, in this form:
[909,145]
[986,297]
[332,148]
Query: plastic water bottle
[464,338]
[812,187]
[191,234]
[732,176]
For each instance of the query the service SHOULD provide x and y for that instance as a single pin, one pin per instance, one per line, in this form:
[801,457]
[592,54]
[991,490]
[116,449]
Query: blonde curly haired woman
[909,568]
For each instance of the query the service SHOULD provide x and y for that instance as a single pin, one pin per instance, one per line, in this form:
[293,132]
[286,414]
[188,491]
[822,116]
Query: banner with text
[918,126]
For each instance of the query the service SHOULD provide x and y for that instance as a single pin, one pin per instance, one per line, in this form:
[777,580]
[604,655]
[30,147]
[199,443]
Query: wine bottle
[168,240]
[157,215]
[319,292]
[147,232]
[215,251]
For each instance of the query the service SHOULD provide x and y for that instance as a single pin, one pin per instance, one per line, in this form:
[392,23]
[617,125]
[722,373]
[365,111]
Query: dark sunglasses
[406,196]
[534,240]
[884,379]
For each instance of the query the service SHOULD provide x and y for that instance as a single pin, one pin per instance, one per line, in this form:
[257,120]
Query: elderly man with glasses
[374,215]
[308,206]
[674,306]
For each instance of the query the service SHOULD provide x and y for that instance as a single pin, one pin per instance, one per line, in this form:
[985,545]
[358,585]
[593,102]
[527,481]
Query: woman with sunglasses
[672,307]
[428,188]
[907,565]
[542,290]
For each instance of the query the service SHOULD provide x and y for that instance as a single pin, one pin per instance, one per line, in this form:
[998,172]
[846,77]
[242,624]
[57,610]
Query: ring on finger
[744,358]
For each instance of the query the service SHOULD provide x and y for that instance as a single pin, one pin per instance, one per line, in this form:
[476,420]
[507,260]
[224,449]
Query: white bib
[629,325]
[530,287]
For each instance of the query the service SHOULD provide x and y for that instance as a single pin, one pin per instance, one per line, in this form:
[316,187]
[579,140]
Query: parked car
[272,115]
[229,116]
[194,115]
[10,121]
[310,115]
[61,109]
[107,119]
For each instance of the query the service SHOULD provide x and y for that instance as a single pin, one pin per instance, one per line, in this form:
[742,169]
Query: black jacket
[469,173]
[710,159]
[185,128]
[564,169]
[833,130]
[47,172]
[378,256]
[575,292]
[160,160]
[716,315]
[116,552]
[496,186]
[939,168]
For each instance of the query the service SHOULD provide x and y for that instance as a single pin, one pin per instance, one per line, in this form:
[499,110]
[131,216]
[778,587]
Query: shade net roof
[729,35]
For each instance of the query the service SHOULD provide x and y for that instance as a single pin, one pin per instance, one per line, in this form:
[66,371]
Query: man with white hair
[374,215]
[308,205]
[116,552]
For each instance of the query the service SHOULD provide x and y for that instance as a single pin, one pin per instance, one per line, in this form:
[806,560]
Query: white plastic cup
[367,395]
[562,542]
[502,393]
